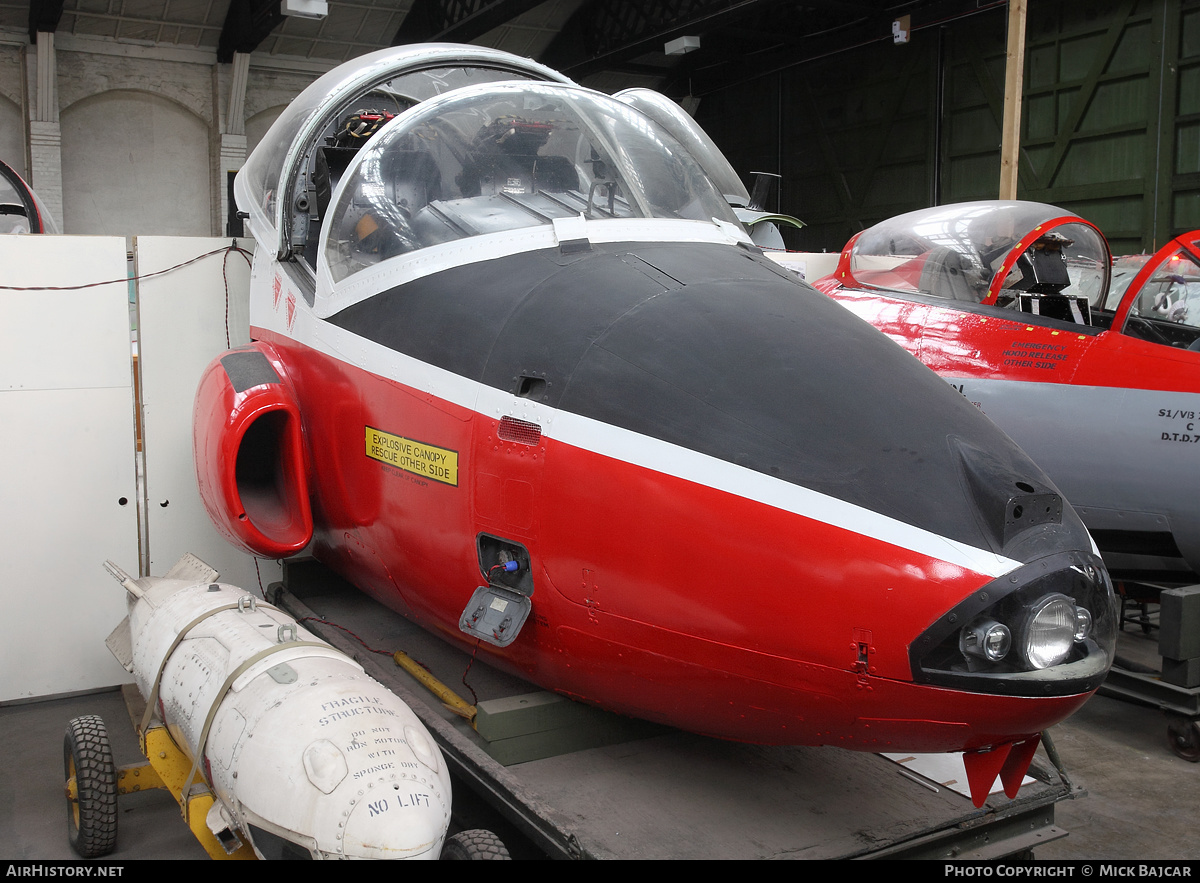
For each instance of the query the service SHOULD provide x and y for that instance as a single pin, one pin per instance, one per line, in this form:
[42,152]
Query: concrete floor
[33,808]
[1142,801]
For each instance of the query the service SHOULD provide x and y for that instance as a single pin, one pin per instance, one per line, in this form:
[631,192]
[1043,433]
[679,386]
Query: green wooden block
[536,725]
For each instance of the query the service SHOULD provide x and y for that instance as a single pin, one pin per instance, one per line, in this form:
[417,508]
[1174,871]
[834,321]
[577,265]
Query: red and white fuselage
[669,479]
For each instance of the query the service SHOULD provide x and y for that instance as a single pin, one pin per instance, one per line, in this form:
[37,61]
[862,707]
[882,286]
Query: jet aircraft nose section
[547,386]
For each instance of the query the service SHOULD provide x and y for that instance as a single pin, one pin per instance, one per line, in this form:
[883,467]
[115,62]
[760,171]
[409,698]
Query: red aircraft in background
[1091,366]
[520,374]
[21,211]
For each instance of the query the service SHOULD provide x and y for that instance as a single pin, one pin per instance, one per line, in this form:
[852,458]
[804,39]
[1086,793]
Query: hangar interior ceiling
[583,38]
[1110,124]
[859,127]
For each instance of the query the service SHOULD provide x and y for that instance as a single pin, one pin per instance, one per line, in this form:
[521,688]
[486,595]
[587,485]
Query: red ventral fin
[1018,762]
[982,769]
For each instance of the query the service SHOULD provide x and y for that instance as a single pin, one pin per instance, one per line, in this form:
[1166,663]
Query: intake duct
[249,451]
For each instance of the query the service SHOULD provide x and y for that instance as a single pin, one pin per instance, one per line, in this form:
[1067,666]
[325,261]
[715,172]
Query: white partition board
[181,328]
[946,770]
[67,442]
[809,266]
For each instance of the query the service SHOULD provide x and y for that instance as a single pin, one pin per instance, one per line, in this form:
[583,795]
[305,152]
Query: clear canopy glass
[507,156]
[1170,293]
[390,80]
[983,252]
[687,131]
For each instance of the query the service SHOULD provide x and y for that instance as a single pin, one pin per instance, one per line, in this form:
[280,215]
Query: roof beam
[44,16]
[604,33]
[247,23]
[791,50]
[457,21]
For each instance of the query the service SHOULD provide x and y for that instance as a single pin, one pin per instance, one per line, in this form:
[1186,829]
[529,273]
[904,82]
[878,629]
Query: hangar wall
[1110,124]
[71,485]
[124,142]
[135,139]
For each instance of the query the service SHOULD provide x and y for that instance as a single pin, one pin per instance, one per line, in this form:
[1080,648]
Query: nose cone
[770,375]
[338,765]
[405,817]
[718,350]
[395,820]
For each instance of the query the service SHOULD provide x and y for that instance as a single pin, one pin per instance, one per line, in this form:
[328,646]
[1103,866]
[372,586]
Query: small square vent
[520,431]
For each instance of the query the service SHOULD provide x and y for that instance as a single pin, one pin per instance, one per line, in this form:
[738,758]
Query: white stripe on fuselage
[612,441]
[405,268]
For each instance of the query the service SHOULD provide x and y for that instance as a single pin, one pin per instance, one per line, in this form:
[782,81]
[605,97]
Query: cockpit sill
[433,259]
[331,298]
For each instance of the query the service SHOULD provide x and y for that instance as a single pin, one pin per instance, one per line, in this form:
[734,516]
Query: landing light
[986,639]
[1045,634]
[1083,624]
[1049,630]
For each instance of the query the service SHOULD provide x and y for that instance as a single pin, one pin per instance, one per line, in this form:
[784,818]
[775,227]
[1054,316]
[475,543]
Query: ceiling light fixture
[682,45]
[317,9]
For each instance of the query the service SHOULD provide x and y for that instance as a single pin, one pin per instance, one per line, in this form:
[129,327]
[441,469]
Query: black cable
[127,279]
[225,279]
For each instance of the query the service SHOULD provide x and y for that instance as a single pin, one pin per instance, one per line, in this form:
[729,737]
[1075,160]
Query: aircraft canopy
[985,252]
[388,80]
[504,157]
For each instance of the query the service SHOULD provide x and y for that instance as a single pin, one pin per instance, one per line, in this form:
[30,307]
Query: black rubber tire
[92,817]
[1183,737]
[475,845]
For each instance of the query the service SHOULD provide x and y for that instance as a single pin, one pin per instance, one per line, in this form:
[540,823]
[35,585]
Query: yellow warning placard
[427,461]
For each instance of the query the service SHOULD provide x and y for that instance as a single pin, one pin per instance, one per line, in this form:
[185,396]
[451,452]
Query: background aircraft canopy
[1124,270]
[390,80]
[1167,286]
[984,252]
[687,132]
[503,157]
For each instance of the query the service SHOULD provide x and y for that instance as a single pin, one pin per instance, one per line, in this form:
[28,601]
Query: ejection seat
[1044,279]
[949,274]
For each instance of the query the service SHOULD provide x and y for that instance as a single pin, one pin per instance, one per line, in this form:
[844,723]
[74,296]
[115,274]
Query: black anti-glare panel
[715,349]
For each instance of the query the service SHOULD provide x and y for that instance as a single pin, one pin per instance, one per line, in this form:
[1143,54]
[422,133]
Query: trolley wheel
[1183,735]
[92,814]
[475,845]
